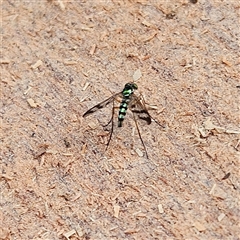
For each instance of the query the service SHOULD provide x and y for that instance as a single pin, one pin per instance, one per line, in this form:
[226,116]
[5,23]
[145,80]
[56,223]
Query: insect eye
[135,86]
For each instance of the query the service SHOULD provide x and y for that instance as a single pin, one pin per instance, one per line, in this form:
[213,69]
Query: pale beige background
[59,58]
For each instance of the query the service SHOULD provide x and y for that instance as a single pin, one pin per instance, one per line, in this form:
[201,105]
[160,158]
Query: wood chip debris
[69,234]
[78,195]
[92,125]
[61,5]
[4,61]
[86,86]
[83,149]
[42,150]
[68,162]
[113,228]
[152,107]
[87,27]
[139,152]
[238,143]
[208,126]
[68,155]
[146,38]
[28,89]
[160,208]
[51,151]
[116,210]
[199,226]
[137,75]
[131,230]
[83,99]
[217,192]
[93,49]
[79,231]
[146,23]
[32,103]
[226,61]
[37,64]
[212,189]
[221,216]
[139,214]
[7,177]
[133,131]
[70,62]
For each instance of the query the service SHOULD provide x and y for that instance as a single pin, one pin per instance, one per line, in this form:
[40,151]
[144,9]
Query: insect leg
[108,122]
[140,135]
[111,120]
[144,104]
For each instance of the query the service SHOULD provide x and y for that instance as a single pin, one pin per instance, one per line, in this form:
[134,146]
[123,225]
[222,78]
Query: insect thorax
[129,89]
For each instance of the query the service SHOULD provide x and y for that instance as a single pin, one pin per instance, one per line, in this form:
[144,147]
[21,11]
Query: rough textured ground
[58,59]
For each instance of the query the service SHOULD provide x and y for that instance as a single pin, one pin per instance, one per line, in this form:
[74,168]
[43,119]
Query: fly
[129,100]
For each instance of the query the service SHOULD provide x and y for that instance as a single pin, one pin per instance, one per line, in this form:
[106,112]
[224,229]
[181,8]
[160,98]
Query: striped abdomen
[127,93]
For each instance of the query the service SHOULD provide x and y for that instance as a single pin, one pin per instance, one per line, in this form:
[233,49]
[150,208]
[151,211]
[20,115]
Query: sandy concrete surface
[60,58]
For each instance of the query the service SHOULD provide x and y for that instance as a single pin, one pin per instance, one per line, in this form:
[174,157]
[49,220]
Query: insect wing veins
[137,107]
[101,104]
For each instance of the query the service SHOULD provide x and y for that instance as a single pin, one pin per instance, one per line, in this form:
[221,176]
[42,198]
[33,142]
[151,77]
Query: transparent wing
[102,104]
[138,107]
